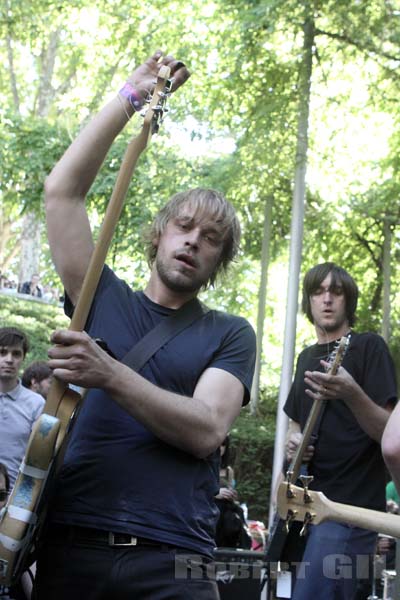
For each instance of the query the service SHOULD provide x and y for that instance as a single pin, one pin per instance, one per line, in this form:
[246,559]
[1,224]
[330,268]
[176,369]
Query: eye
[317,292]
[212,237]
[183,225]
[338,291]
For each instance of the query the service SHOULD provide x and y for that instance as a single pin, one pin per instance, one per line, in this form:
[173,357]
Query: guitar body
[23,516]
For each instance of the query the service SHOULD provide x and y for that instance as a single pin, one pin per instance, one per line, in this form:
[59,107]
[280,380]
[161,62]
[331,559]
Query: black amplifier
[239,573]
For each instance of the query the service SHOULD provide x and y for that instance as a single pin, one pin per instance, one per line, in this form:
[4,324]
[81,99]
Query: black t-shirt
[117,475]
[347,465]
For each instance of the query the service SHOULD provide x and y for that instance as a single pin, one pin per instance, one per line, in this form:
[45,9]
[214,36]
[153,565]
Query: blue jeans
[335,558]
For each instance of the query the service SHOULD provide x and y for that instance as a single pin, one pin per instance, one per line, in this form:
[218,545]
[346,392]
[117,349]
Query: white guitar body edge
[18,518]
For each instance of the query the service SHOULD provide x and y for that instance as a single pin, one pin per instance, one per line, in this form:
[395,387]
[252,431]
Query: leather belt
[75,533]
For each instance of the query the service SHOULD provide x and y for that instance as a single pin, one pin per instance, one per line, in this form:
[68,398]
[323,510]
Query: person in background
[37,377]
[32,287]
[19,407]
[226,474]
[232,530]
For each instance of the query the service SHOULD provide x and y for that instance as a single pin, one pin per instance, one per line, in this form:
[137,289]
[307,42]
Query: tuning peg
[307,520]
[291,514]
[163,95]
[306,480]
[289,491]
[289,478]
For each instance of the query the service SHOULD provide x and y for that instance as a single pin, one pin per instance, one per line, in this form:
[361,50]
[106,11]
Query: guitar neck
[374,520]
[316,410]
[295,465]
[113,213]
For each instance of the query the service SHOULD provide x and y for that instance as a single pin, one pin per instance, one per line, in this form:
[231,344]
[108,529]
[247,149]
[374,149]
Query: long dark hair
[340,278]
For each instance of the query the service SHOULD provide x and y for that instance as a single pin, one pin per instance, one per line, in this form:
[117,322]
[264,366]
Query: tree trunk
[30,247]
[10,57]
[262,295]
[32,227]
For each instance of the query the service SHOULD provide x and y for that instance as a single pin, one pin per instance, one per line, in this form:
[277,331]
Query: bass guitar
[22,518]
[311,507]
[281,526]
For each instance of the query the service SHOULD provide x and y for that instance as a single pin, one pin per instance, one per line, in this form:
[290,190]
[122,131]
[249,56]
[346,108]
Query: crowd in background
[32,288]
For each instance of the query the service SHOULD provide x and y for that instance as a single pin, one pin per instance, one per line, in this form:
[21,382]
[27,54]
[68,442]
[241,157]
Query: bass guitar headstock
[337,356]
[154,114]
[301,504]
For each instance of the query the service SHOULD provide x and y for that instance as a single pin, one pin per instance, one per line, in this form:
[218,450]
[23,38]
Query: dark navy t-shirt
[116,474]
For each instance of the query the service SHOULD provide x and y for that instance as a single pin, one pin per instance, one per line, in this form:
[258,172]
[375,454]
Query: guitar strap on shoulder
[162,333]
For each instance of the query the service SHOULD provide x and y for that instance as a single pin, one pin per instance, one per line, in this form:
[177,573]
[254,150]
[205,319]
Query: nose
[327,296]
[193,237]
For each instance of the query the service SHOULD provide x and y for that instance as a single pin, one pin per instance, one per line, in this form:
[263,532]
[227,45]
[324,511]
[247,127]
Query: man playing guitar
[135,494]
[345,460]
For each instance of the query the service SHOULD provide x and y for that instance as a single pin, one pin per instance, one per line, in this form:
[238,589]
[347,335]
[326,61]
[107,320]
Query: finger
[179,71]
[179,78]
[168,60]
[155,57]
[314,395]
[67,376]
[68,337]
[67,351]
[315,387]
[174,64]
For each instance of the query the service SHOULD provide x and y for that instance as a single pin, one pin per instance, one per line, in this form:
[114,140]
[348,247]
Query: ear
[34,385]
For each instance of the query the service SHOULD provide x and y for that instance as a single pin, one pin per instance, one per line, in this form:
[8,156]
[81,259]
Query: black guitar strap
[162,333]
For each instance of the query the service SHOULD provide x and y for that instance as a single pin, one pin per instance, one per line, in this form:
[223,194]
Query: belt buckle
[111,540]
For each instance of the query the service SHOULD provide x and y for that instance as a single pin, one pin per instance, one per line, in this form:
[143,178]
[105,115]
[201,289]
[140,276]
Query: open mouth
[187,259]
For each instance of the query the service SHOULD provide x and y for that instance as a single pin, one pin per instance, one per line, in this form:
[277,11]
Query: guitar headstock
[154,114]
[336,357]
[301,504]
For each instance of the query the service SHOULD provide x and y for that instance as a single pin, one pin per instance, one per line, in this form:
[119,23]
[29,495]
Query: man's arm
[66,187]
[391,445]
[371,417]
[197,425]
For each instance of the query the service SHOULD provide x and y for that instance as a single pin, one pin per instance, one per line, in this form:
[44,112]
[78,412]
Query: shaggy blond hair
[204,202]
